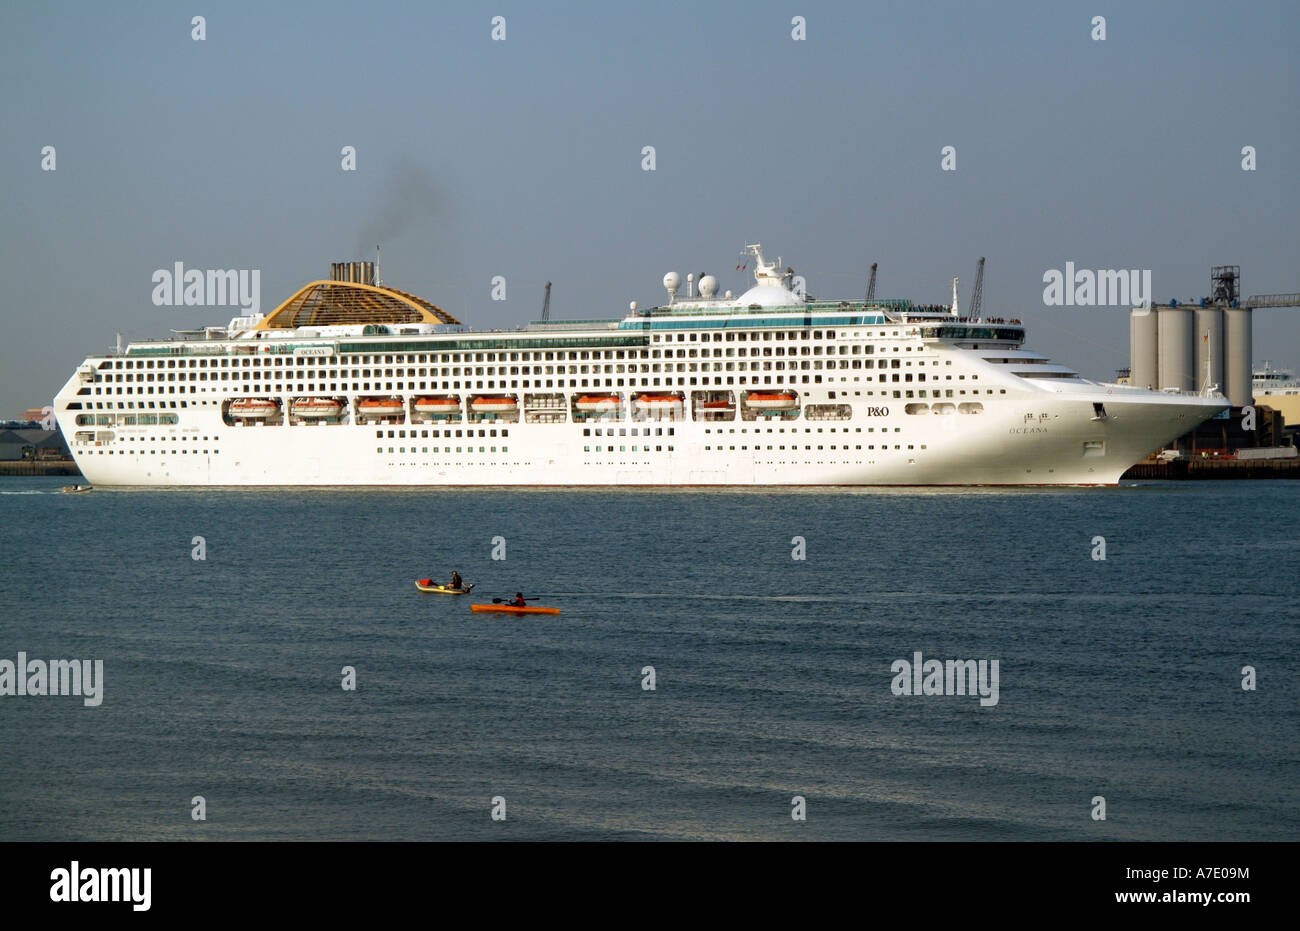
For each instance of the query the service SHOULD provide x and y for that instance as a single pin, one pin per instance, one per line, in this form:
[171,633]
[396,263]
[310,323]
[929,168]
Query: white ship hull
[1038,441]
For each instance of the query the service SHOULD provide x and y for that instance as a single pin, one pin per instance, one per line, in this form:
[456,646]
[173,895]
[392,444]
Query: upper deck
[355,313]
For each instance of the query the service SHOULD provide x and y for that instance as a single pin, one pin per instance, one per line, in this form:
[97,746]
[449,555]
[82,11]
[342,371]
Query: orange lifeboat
[437,405]
[317,408]
[599,403]
[381,407]
[771,401]
[657,402]
[491,405]
[713,405]
[253,408]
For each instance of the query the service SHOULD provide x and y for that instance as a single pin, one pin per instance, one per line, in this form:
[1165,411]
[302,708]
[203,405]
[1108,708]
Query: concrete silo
[1177,357]
[1238,333]
[1209,347]
[1144,348]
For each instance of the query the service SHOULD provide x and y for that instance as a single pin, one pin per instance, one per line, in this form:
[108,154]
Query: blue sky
[522,158]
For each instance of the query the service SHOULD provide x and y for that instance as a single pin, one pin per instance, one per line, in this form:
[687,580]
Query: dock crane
[871,284]
[546,304]
[1225,291]
[977,293]
[1225,288]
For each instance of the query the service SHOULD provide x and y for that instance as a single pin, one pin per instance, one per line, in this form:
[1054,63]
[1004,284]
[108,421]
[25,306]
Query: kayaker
[455,580]
[518,602]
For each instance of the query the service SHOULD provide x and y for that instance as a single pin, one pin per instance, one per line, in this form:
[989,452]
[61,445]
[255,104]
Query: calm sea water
[1119,678]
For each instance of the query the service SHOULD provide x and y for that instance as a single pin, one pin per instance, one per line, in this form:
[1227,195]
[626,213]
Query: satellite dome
[708,286]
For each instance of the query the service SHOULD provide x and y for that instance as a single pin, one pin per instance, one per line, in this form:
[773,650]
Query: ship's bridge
[963,331]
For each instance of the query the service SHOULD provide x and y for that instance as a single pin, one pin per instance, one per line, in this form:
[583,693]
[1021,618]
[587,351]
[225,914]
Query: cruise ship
[353,382]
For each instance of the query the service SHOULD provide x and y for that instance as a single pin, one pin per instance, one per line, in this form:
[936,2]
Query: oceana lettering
[212,287]
[57,677]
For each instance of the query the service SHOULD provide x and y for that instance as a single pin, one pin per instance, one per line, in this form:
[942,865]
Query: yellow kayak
[428,585]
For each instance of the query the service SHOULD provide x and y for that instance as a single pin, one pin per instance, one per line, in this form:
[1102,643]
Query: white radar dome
[708,286]
[672,281]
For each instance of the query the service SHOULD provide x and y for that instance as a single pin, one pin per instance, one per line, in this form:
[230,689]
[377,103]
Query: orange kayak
[510,609]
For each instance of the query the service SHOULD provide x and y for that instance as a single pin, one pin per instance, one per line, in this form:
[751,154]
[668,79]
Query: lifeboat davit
[253,408]
[486,405]
[657,402]
[381,407]
[317,408]
[771,401]
[437,405]
[599,403]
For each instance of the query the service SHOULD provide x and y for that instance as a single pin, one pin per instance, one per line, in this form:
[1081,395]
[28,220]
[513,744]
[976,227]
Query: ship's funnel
[358,272]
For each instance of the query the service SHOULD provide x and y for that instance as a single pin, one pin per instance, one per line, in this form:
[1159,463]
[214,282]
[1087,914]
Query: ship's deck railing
[688,308]
[1176,392]
[593,324]
[945,317]
[894,311]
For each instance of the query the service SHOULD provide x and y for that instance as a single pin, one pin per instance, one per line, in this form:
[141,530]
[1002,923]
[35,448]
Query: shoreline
[40,467]
[1223,469]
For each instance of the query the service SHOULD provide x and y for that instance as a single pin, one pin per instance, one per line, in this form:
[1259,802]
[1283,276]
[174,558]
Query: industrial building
[32,444]
[1207,345]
